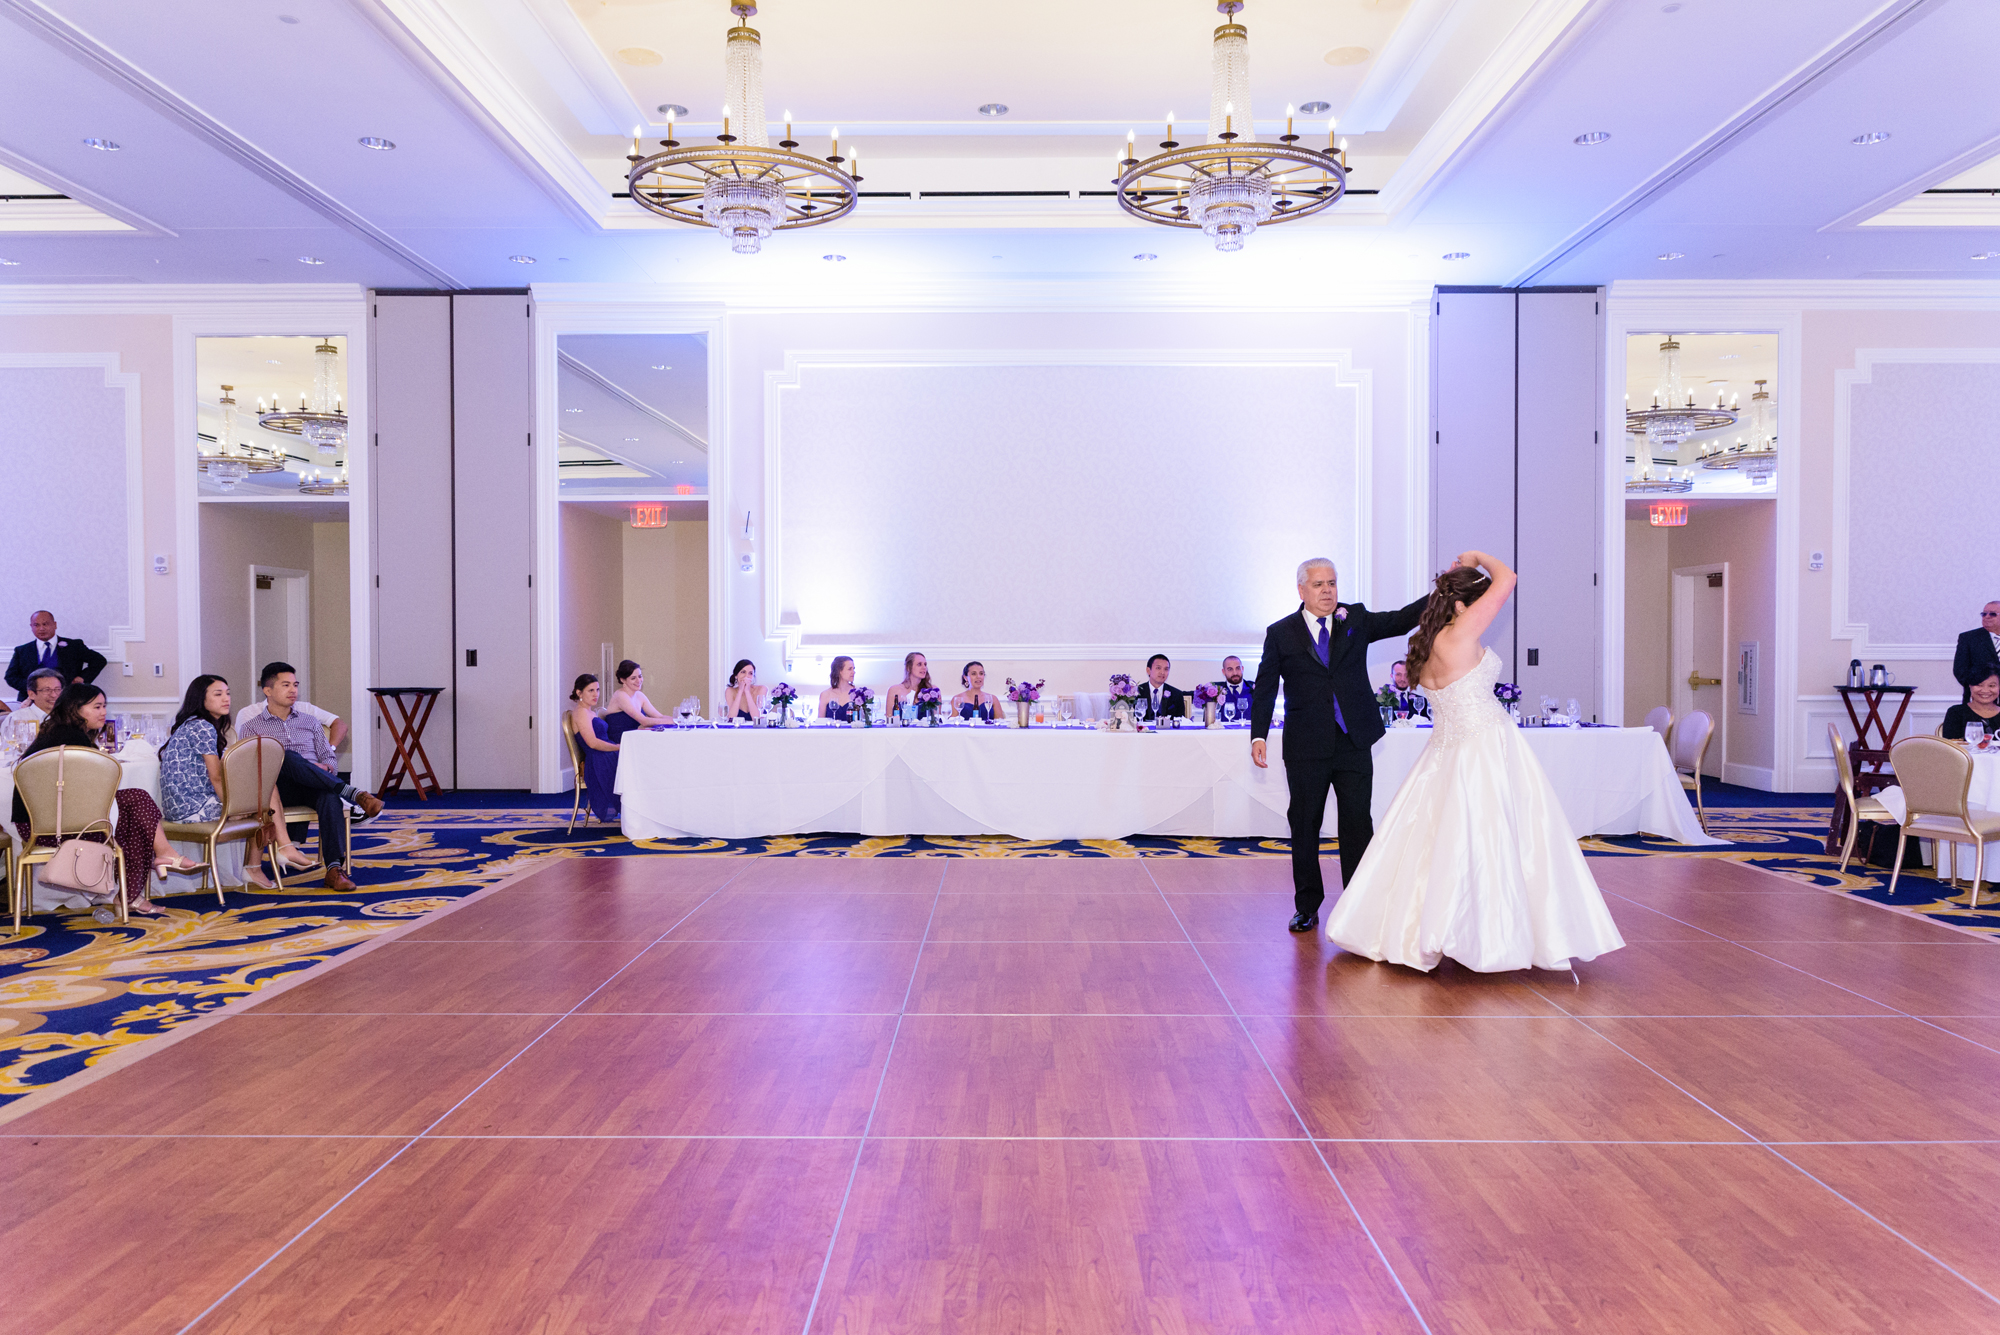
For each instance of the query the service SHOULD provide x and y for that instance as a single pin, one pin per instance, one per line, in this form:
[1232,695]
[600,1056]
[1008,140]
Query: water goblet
[1975,734]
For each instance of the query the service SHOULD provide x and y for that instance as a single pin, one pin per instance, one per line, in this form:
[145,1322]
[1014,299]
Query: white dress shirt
[311,711]
[1312,628]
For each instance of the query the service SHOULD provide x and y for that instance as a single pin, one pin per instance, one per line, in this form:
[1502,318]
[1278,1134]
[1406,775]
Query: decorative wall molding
[1847,625]
[81,197]
[1797,295]
[248,301]
[1300,294]
[133,628]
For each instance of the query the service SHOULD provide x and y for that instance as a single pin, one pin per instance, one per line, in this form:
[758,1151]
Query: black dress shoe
[1304,922]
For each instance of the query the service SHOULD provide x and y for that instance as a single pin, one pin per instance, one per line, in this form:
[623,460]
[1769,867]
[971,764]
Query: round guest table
[1071,783]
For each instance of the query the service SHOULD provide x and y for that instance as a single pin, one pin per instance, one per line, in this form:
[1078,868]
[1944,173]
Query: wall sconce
[1664,515]
[649,514]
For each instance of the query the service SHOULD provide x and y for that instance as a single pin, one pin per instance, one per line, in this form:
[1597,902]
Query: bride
[1475,859]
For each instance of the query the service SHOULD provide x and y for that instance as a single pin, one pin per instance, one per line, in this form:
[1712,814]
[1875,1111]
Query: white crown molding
[54,217]
[1846,624]
[1717,298]
[781,623]
[1401,63]
[59,32]
[987,295]
[251,300]
[1908,195]
[127,382]
[80,197]
[1939,211]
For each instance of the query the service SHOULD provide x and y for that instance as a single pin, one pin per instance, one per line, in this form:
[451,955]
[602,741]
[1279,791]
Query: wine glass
[1975,732]
[1067,708]
[1228,711]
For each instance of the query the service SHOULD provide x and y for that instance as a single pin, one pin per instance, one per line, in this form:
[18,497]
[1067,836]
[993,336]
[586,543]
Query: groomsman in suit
[1235,690]
[1978,655]
[1156,698]
[1319,654]
[76,660]
[1408,700]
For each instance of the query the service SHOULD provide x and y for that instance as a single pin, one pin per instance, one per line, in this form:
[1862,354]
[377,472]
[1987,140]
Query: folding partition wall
[1516,387]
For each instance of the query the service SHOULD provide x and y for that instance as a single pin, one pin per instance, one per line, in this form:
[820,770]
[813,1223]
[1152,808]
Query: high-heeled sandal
[179,864]
[296,858]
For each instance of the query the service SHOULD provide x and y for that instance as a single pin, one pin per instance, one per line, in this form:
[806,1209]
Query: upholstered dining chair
[1661,720]
[310,816]
[1859,808]
[1688,747]
[575,745]
[249,773]
[1936,777]
[83,781]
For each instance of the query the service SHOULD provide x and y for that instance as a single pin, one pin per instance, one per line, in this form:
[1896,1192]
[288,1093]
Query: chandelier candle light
[1758,458]
[1233,184]
[232,460]
[743,188]
[320,418]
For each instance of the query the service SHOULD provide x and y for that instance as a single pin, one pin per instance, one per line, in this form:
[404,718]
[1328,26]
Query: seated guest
[1983,709]
[1236,690]
[1978,652]
[600,753]
[335,725]
[916,677]
[629,707]
[308,777]
[73,659]
[1408,701]
[834,702]
[1156,698]
[975,701]
[76,720]
[191,778]
[743,697]
[44,685]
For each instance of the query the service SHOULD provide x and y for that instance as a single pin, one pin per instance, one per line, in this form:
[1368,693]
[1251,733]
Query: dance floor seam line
[881,1083]
[491,1076]
[1381,1255]
[1771,1147]
[33,1136]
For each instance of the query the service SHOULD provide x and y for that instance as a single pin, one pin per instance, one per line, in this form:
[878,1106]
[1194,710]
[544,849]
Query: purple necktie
[1320,650]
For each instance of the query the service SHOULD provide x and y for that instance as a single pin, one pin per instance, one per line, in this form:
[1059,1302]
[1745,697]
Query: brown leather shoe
[371,805]
[338,879]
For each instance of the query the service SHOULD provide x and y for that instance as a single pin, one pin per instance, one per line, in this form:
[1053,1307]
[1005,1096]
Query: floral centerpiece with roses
[928,699]
[1122,689]
[1025,690]
[781,699]
[863,700]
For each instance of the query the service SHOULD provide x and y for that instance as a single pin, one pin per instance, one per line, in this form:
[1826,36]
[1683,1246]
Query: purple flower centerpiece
[928,699]
[1506,692]
[1122,688]
[863,700]
[784,693]
[1207,693]
[1026,690]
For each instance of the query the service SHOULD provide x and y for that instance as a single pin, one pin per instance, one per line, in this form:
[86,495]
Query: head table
[1071,783]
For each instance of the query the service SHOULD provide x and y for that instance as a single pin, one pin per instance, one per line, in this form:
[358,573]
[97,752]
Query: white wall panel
[1472,468]
[410,351]
[1556,453]
[493,537]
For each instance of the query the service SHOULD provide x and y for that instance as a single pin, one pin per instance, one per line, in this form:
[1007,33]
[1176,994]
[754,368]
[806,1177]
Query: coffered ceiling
[1730,150]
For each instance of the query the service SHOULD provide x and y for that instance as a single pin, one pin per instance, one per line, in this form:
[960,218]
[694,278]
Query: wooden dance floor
[1011,1095]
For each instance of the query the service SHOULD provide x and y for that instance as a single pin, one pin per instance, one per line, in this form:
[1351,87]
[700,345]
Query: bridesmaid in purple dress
[600,753]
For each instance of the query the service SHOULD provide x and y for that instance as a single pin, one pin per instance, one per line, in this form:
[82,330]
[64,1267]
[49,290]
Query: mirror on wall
[633,490]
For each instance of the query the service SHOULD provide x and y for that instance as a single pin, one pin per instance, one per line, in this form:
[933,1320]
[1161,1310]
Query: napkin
[1892,798]
[138,748]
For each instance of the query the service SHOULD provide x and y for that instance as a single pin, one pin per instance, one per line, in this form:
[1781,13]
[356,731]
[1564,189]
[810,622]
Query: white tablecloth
[1055,783]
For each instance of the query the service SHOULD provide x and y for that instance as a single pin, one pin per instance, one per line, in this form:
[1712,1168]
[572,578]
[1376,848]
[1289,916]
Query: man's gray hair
[1312,561]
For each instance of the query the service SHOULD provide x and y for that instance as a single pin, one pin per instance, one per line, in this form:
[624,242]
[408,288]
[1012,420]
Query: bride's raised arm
[1479,615]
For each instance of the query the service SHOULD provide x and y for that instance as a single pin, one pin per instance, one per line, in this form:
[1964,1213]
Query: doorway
[281,623]
[1699,631]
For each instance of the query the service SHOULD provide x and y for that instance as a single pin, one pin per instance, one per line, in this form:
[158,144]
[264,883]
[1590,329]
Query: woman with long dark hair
[975,701]
[834,701]
[628,707]
[191,781]
[1475,859]
[600,752]
[743,698]
[916,677]
[76,720]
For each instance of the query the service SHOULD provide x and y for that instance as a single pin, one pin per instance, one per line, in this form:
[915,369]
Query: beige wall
[1648,595]
[1744,534]
[593,591]
[332,665]
[666,610]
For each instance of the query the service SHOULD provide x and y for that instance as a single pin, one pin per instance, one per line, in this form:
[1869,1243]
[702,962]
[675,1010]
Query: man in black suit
[1408,700]
[1235,690]
[1978,655]
[1320,653]
[1158,700]
[76,660]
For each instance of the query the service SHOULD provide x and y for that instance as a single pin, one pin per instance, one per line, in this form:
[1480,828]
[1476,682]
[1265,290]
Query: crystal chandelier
[320,417]
[231,460]
[744,189]
[1670,421]
[1231,185]
[1758,459]
[317,483]
[1647,480]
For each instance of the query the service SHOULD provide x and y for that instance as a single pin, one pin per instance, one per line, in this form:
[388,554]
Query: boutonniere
[1340,615]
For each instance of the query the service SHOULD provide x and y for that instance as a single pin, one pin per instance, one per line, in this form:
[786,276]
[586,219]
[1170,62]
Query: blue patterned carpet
[73,992]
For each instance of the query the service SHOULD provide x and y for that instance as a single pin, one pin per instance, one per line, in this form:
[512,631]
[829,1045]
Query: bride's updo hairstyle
[1460,584]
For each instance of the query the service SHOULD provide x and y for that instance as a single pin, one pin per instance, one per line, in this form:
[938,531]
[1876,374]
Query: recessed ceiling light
[310,259]
[1459,255]
[993,108]
[1987,255]
[834,259]
[640,55]
[1674,255]
[522,259]
[663,368]
[671,109]
[1315,108]
[1346,55]
[1592,137]
[11,264]
[271,361]
[1730,357]
[634,440]
[288,18]
[1671,9]
[680,461]
[1872,137]
[102,145]
[1146,256]
[572,410]
[376,142]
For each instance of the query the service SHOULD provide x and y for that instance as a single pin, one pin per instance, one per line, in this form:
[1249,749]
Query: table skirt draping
[1056,783]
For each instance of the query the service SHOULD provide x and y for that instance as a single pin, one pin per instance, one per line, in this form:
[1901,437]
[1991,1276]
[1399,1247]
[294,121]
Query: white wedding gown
[1475,858]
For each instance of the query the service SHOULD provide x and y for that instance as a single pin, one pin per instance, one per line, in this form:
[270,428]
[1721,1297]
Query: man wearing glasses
[1978,655]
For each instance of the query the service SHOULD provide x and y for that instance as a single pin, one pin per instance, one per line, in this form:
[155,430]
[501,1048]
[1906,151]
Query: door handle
[1696,680]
